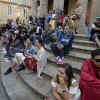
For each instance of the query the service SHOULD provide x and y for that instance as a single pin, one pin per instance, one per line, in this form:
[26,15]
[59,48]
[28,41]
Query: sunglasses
[97,60]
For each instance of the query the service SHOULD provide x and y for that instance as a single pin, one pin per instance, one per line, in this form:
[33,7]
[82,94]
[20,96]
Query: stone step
[75,64]
[79,57]
[42,86]
[84,43]
[83,49]
[81,37]
[14,86]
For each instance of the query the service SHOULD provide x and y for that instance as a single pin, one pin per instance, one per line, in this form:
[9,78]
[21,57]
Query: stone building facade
[11,9]
[67,5]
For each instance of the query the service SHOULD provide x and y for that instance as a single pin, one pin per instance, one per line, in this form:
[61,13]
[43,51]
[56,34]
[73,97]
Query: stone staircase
[81,50]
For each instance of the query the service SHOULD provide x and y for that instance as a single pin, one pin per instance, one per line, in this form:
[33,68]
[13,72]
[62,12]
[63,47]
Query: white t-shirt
[72,90]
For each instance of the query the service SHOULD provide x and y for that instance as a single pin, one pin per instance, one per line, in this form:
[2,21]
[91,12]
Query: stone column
[55,4]
[83,29]
[41,7]
[94,11]
[34,9]
[45,7]
[61,4]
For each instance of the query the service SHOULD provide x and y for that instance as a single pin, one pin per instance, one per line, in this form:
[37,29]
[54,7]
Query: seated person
[90,77]
[47,36]
[14,46]
[63,46]
[36,34]
[4,37]
[95,32]
[59,32]
[20,57]
[64,84]
[68,22]
[41,58]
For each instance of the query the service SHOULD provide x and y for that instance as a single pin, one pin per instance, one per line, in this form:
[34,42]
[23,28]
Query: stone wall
[17,10]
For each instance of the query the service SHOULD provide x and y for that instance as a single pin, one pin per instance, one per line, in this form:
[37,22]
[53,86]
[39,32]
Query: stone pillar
[41,7]
[94,11]
[61,4]
[32,9]
[45,7]
[55,4]
[83,29]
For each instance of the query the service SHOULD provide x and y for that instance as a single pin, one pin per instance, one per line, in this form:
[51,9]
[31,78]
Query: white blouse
[72,90]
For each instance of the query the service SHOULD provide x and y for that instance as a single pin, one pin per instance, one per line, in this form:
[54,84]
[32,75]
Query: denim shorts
[95,35]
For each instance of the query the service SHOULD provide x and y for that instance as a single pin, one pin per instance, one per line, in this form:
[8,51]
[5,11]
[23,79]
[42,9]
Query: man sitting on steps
[63,46]
[90,77]
[95,32]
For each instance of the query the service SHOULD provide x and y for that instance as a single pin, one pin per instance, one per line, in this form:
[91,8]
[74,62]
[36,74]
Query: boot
[8,71]
[22,67]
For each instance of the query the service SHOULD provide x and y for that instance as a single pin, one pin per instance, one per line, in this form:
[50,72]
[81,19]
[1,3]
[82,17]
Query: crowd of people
[21,40]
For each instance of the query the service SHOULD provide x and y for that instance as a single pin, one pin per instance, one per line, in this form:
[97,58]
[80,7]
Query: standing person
[43,21]
[8,25]
[90,77]
[49,17]
[41,58]
[77,16]
[17,20]
[12,24]
[61,16]
[64,85]
[20,57]
[87,19]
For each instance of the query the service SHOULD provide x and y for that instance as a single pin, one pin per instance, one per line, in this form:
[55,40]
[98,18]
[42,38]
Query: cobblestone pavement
[3,95]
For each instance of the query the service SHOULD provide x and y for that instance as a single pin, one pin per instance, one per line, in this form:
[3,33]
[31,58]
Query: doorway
[50,5]
[66,3]
[69,5]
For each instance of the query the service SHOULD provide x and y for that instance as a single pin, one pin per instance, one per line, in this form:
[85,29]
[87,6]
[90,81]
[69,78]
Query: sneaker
[8,71]
[57,58]
[60,61]
[3,49]
[4,52]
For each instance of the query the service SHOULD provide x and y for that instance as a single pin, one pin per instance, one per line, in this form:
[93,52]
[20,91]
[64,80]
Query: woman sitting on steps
[20,57]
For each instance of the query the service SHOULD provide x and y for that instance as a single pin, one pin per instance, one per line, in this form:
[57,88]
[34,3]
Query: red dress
[30,63]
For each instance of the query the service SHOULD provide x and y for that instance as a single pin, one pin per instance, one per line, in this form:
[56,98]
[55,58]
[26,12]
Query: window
[25,12]
[25,2]
[9,10]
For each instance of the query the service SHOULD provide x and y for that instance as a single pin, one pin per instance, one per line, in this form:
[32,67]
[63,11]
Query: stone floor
[3,95]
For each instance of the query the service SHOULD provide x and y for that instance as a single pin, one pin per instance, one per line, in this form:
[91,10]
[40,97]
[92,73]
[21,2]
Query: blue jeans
[61,52]
[7,45]
[59,33]
[34,37]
